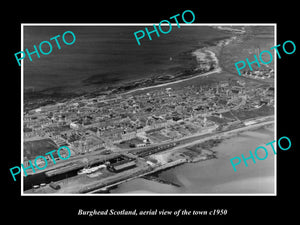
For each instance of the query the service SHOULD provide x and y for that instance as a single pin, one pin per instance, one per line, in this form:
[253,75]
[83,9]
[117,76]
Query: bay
[217,176]
[108,54]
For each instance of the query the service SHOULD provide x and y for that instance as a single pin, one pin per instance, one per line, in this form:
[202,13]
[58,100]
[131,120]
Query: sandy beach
[202,54]
[217,70]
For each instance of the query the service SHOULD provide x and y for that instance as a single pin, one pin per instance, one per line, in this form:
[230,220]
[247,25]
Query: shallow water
[217,175]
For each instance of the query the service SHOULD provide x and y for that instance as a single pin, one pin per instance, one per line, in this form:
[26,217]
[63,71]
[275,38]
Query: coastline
[208,63]
[218,70]
[204,55]
[258,178]
[225,135]
[208,59]
[198,161]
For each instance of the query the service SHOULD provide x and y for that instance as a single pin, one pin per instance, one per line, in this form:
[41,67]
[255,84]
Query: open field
[247,114]
[257,40]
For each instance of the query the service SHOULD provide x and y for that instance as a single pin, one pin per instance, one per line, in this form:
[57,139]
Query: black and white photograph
[144,113]
[172,115]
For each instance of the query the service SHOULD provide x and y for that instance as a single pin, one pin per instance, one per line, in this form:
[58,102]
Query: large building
[123,166]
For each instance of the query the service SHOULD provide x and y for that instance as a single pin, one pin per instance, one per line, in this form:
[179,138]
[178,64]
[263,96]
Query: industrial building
[119,167]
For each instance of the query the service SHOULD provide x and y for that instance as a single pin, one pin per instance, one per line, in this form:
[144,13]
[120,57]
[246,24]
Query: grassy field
[257,40]
[248,114]
[39,147]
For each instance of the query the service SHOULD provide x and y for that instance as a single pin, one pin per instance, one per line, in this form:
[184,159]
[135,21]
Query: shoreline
[223,136]
[94,186]
[214,186]
[218,70]
[32,100]
[201,54]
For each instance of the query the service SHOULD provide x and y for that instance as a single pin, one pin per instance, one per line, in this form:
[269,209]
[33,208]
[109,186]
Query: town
[120,137]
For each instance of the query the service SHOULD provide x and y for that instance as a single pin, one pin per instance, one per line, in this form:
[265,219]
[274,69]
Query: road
[205,136]
[217,135]
[185,142]
[217,70]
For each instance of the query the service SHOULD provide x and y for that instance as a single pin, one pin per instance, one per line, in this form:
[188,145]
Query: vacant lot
[248,114]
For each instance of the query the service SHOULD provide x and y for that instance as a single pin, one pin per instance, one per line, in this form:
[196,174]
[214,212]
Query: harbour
[204,177]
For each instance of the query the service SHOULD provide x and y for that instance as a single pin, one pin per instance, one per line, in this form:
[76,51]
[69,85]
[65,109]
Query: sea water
[216,176]
[108,54]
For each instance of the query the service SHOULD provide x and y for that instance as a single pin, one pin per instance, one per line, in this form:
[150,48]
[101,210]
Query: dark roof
[124,165]
[32,149]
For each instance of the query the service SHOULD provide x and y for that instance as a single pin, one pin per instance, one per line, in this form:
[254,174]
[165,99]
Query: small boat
[90,170]
[83,171]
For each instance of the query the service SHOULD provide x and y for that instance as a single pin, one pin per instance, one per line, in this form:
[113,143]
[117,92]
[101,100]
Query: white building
[74,125]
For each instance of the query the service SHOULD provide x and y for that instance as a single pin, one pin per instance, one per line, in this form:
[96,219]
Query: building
[74,125]
[122,166]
